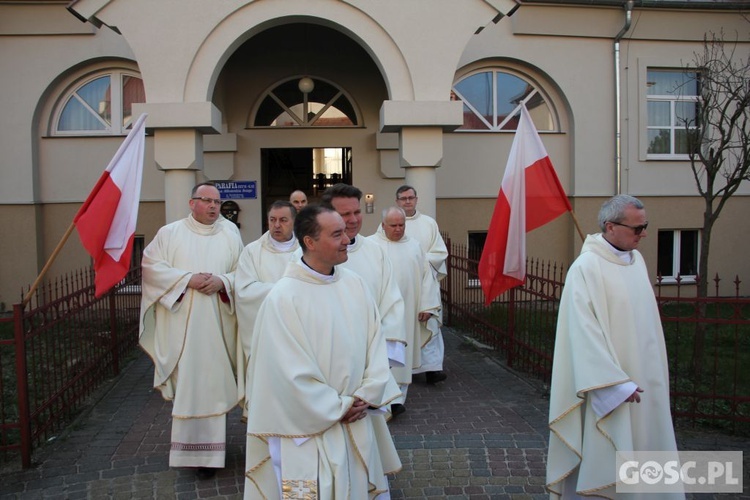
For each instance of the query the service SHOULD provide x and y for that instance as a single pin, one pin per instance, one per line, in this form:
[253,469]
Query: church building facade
[269,96]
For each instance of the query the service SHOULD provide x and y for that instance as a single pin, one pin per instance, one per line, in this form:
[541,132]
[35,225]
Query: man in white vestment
[370,261]
[610,381]
[298,199]
[319,377]
[418,288]
[188,328]
[262,263]
[424,229]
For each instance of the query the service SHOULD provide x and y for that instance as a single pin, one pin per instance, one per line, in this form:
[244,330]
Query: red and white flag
[530,196]
[106,221]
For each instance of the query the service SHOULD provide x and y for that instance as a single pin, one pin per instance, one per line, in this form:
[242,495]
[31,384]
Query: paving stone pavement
[481,434]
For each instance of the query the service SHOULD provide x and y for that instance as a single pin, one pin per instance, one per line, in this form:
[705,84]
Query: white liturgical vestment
[369,261]
[420,292]
[262,264]
[424,229]
[192,337]
[608,333]
[317,346]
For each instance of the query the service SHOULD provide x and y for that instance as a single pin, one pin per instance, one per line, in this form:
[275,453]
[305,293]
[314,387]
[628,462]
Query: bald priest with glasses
[610,382]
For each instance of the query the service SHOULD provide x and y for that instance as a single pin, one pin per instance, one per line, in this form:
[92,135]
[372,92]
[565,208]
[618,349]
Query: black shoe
[435,377]
[397,409]
[205,472]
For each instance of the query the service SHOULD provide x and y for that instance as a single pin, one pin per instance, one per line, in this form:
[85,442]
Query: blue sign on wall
[237,190]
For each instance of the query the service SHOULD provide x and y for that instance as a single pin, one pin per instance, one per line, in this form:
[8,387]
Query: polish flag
[106,221]
[530,196]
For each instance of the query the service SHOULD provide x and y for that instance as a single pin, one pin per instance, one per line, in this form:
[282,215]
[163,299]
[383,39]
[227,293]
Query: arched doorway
[299,136]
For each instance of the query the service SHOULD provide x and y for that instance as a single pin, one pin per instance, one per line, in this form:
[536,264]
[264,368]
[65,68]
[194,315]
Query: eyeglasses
[636,229]
[206,200]
[407,198]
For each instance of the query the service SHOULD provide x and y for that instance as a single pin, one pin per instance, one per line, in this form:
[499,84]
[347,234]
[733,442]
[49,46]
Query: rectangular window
[673,105]
[136,256]
[678,251]
[476,245]
[139,244]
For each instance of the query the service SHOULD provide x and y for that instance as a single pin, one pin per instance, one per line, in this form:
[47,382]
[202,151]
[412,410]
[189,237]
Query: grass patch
[706,382]
[8,387]
[708,358]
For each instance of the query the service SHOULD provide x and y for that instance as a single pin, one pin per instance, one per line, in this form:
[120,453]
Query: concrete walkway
[479,435]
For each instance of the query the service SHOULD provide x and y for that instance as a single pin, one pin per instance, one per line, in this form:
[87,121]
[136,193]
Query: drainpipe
[618,135]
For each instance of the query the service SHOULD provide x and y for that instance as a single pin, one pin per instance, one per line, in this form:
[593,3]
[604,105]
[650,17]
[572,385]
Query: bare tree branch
[718,135]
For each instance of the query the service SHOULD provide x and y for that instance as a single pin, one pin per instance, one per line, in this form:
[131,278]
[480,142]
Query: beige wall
[559,241]
[18,247]
[553,242]
[19,269]
[151,218]
[571,69]
[213,60]
[70,167]
[29,68]
[641,176]
[474,163]
[729,236]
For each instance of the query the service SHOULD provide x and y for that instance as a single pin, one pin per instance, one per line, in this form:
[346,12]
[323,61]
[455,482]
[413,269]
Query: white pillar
[177,187]
[423,180]
[179,152]
[421,125]
[178,147]
[421,150]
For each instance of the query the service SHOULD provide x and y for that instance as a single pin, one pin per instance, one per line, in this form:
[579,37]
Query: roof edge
[735,5]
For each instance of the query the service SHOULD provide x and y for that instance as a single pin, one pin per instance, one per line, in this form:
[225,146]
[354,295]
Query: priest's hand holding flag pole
[106,221]
[530,196]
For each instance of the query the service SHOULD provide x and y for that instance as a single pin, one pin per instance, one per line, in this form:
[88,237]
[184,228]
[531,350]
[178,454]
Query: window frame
[676,256]
[471,252]
[303,122]
[674,125]
[115,128]
[496,126]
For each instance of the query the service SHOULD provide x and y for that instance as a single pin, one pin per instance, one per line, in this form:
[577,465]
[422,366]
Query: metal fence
[708,344]
[62,346]
[708,339]
[519,324]
[65,343]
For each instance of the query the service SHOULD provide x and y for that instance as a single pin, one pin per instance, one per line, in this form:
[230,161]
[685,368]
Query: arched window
[491,98]
[305,102]
[99,104]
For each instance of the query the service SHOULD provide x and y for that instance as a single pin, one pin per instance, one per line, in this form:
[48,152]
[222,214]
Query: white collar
[624,255]
[328,278]
[282,246]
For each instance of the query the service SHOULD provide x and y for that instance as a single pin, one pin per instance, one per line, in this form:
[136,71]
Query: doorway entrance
[311,170]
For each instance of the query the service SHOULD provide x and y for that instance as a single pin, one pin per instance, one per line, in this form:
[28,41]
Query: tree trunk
[702,292]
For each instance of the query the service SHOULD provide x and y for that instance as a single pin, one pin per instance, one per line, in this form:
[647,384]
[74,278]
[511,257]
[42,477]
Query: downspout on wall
[618,133]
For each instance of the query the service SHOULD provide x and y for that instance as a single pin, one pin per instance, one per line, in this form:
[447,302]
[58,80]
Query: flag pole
[46,267]
[122,152]
[578,226]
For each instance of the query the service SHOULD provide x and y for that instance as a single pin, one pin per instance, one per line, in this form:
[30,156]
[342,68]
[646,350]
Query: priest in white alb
[262,263]
[188,328]
[610,380]
[319,378]
[370,262]
[418,288]
[424,229]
